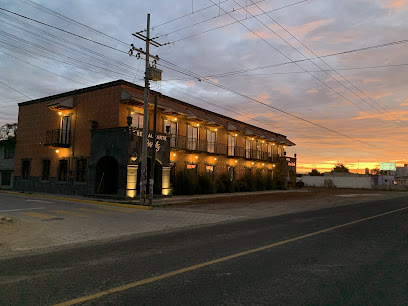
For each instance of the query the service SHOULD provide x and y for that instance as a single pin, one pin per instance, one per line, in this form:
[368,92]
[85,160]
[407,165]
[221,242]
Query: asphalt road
[364,262]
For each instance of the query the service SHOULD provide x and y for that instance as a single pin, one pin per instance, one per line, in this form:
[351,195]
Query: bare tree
[8,130]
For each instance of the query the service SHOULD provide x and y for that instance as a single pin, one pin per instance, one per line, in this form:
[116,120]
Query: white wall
[338,181]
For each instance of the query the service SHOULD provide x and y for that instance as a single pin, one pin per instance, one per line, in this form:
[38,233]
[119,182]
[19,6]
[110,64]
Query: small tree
[315,172]
[376,171]
[8,130]
[340,168]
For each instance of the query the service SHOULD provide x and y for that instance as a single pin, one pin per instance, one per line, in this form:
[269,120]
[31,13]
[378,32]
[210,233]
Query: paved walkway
[47,223]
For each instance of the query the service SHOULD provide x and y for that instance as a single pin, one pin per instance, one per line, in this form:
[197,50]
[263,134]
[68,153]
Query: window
[63,170]
[193,168]
[232,142]
[192,137]
[209,169]
[9,150]
[270,152]
[248,148]
[46,167]
[65,128]
[171,127]
[211,140]
[258,150]
[80,170]
[25,169]
[137,120]
[6,178]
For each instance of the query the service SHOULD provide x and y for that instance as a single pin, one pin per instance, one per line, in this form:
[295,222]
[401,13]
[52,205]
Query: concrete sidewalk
[157,202]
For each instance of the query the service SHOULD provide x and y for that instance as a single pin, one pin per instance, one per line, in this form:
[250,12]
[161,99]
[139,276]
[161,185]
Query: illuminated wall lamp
[57,151]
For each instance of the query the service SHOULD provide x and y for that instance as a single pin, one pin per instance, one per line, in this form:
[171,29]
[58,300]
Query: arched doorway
[107,173]
[157,188]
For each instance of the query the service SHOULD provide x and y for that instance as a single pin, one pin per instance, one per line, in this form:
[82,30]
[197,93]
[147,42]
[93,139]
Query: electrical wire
[15,90]
[212,18]
[387,112]
[312,75]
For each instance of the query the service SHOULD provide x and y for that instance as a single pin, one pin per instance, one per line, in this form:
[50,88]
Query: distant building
[7,151]
[88,141]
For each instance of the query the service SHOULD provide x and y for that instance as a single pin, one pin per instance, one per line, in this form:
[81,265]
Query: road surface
[343,255]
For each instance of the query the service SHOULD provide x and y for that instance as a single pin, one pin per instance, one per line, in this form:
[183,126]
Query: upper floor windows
[211,141]
[137,120]
[192,137]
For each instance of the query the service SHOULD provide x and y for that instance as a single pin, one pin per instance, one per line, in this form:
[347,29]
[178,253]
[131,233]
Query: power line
[55,13]
[323,62]
[175,19]
[15,90]
[313,76]
[59,29]
[293,72]
[225,13]
[186,72]
[43,68]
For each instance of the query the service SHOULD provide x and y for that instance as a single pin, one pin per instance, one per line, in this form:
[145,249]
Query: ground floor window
[46,167]
[25,168]
[193,168]
[6,178]
[63,170]
[80,170]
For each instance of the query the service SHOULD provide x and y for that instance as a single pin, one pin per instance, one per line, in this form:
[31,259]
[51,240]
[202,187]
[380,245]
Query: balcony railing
[58,138]
[236,151]
[258,155]
[199,145]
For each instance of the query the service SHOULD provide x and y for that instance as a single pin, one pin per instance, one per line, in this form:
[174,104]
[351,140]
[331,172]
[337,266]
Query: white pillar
[131,181]
[166,180]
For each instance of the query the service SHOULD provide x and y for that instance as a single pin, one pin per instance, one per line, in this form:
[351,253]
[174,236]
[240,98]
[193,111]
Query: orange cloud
[398,5]
[189,84]
[263,97]
[309,27]
[285,89]
[405,103]
[312,91]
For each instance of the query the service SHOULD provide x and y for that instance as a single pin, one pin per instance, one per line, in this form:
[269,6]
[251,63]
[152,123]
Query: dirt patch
[256,205]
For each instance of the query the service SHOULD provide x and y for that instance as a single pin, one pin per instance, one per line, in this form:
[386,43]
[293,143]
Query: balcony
[58,138]
[258,155]
[236,151]
[197,145]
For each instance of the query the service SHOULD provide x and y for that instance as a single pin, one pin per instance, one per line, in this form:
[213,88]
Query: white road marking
[22,209]
[40,201]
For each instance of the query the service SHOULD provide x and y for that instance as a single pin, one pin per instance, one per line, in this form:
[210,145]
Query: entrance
[157,188]
[107,173]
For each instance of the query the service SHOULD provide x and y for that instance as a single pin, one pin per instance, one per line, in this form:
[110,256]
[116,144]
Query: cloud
[405,103]
[398,5]
[310,91]
[190,84]
[284,89]
[309,27]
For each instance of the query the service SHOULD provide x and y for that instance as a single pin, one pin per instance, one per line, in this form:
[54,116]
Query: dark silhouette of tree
[340,168]
[315,172]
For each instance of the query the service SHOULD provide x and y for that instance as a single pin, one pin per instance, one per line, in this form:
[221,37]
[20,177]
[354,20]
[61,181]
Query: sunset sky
[363,103]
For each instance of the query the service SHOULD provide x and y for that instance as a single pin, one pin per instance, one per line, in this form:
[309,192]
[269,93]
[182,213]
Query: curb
[79,200]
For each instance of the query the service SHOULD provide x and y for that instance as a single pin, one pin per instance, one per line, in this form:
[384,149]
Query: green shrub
[206,184]
[225,184]
[186,182]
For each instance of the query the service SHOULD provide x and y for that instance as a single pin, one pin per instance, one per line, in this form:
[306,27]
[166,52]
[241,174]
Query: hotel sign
[160,138]
[388,167]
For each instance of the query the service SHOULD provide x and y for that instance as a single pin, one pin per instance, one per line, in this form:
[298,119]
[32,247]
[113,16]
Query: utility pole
[153,160]
[154,74]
